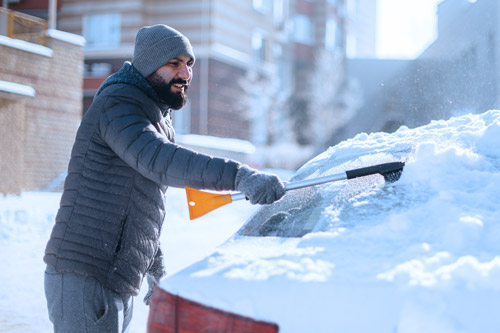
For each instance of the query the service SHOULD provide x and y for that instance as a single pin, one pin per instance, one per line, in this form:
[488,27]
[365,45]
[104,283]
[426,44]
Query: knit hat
[156,45]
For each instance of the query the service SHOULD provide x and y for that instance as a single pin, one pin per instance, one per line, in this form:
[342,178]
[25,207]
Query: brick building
[40,108]
[257,62]
[229,37]
[273,41]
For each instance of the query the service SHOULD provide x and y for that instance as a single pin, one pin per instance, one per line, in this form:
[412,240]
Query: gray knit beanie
[156,45]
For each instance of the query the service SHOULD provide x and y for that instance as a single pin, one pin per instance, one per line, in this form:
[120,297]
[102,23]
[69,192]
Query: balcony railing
[21,26]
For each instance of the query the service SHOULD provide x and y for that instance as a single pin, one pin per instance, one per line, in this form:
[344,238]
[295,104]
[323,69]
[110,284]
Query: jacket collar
[129,75]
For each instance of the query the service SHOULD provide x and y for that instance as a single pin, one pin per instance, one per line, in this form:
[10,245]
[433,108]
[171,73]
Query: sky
[405,27]
[418,255]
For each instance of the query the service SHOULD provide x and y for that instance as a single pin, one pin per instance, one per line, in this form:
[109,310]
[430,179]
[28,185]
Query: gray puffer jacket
[123,159]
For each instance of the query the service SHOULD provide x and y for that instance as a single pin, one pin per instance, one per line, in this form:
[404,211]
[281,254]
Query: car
[419,254]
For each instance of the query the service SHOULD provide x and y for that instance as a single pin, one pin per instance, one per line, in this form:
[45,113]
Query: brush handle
[385,169]
[301,184]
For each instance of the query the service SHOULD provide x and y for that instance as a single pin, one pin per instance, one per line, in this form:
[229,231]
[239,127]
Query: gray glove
[259,187]
[154,274]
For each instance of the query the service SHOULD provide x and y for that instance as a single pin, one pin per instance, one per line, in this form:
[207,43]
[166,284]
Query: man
[105,239]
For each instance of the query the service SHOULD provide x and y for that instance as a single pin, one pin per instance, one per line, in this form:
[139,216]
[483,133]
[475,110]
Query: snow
[66,37]
[40,49]
[26,222]
[16,88]
[419,255]
[26,46]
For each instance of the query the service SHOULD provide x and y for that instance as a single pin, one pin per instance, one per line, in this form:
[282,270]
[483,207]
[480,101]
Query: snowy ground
[26,223]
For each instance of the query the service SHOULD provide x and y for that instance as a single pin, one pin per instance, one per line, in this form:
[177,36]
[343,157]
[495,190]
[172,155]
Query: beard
[164,91]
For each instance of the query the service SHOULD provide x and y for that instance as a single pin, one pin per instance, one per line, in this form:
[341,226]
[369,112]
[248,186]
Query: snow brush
[201,202]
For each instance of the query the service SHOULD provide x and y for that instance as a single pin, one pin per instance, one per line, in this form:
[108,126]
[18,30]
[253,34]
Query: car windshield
[293,216]
[335,205]
[323,207]
[320,208]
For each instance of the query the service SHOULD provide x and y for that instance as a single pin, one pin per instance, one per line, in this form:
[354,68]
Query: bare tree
[266,104]
[268,101]
[329,80]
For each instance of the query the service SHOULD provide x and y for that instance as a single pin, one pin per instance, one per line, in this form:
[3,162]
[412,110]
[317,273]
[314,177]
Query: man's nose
[185,72]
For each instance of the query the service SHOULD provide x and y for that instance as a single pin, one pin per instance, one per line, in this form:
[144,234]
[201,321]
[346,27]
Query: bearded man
[106,236]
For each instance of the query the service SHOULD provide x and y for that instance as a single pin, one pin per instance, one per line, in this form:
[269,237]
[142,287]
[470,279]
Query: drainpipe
[52,14]
[205,28]
[4,19]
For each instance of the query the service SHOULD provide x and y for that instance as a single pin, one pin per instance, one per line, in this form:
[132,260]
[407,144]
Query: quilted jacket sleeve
[126,127]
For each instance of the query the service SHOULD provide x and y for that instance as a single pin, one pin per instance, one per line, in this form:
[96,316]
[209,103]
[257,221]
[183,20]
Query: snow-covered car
[421,254]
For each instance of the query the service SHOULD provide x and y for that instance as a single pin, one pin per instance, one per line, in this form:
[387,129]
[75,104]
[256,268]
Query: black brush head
[393,176]
[391,171]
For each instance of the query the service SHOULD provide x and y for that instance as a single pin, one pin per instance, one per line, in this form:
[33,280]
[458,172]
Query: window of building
[279,11]
[102,30]
[303,29]
[263,6]
[331,35]
[339,37]
[101,69]
[351,46]
[259,46]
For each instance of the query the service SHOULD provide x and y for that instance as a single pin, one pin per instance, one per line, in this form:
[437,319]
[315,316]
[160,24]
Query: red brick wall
[50,119]
[11,144]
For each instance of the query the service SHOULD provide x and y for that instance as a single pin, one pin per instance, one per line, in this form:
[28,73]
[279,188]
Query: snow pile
[433,235]
[418,255]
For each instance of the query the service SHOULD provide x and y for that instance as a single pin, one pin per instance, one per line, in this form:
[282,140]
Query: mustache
[179,81]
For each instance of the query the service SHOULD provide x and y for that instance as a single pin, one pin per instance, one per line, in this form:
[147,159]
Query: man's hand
[259,187]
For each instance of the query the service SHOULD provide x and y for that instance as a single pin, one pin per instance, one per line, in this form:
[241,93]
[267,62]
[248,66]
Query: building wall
[71,19]
[221,33]
[375,79]
[11,143]
[457,74]
[465,58]
[48,121]
[362,29]
[225,35]
[309,53]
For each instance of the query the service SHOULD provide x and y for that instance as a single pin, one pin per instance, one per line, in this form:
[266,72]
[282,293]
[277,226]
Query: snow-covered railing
[22,26]
[16,88]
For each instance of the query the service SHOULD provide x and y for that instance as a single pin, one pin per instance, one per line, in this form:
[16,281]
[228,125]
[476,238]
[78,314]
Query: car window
[293,216]
[322,208]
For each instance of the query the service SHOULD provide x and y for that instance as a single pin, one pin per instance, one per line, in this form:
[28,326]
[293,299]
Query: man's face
[171,81]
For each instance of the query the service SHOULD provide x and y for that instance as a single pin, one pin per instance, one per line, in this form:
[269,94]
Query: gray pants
[80,303]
